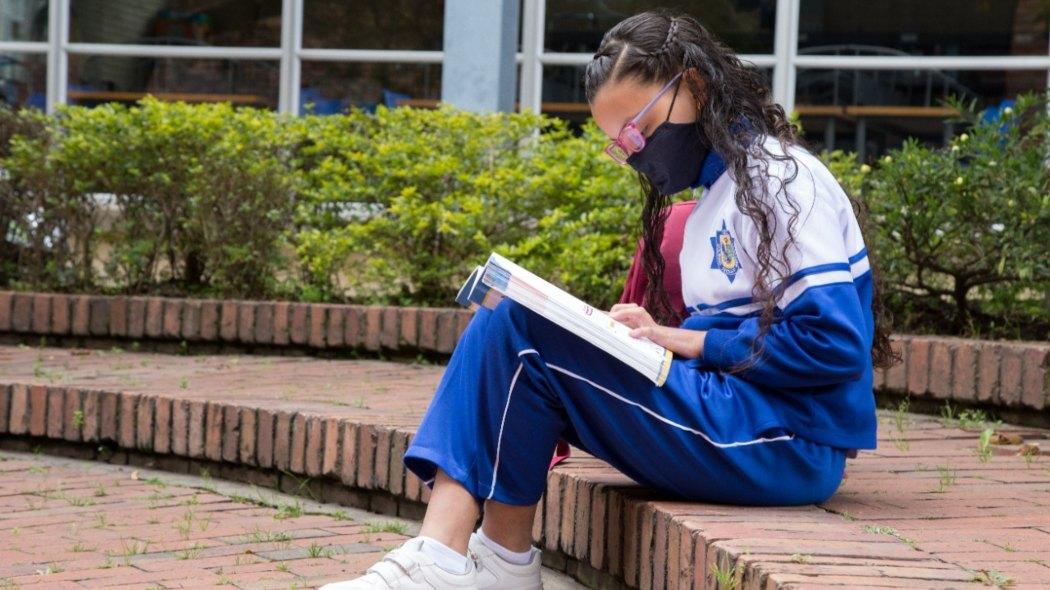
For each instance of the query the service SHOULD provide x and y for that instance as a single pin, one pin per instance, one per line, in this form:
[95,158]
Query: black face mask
[672,157]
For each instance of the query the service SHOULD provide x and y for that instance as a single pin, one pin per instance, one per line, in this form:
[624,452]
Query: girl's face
[618,101]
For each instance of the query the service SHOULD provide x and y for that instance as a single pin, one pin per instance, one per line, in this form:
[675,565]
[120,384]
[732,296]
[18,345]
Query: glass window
[373,24]
[23,20]
[871,111]
[95,79]
[23,80]
[931,27]
[578,25]
[235,23]
[334,87]
[563,93]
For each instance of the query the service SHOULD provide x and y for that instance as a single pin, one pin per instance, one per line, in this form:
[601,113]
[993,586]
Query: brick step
[1011,375]
[347,423]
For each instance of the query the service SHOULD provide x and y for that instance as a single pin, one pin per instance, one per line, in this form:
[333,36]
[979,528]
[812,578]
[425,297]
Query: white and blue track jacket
[816,361]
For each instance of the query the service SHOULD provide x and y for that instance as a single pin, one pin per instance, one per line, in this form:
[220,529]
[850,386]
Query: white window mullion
[532,31]
[57,59]
[291,61]
[785,50]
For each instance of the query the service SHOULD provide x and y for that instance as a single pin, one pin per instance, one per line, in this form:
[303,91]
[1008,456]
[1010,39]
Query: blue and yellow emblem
[724,253]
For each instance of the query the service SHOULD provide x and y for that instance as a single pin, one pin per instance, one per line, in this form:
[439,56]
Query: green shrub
[398,206]
[587,237]
[962,230]
[200,195]
[46,230]
[437,190]
[433,191]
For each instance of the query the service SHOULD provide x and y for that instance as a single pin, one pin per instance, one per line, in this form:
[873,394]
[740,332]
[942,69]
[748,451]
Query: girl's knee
[509,308]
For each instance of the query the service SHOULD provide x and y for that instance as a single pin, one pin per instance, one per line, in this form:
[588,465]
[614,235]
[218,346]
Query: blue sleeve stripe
[820,268]
[857,265]
[724,305]
[809,281]
[863,252]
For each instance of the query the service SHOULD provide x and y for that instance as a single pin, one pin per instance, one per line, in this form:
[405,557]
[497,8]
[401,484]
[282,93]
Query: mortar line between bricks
[920,550]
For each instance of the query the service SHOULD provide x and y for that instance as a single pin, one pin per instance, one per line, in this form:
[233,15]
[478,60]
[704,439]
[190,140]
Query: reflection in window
[23,80]
[930,27]
[335,87]
[871,111]
[23,20]
[578,25]
[563,93]
[236,23]
[95,79]
[374,24]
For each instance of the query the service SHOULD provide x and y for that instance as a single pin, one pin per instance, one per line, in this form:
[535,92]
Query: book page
[557,299]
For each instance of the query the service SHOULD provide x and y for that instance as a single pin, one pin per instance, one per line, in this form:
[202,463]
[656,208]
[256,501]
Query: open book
[499,278]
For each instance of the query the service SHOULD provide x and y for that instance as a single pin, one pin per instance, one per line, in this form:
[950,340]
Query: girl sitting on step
[775,328]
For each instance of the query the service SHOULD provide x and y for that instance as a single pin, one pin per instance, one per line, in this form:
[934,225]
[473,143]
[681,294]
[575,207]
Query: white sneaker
[496,573]
[408,568]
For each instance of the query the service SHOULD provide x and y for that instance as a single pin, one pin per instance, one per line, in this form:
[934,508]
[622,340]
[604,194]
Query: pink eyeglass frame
[631,133]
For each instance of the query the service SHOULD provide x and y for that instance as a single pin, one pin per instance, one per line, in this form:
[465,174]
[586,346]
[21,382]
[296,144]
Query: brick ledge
[1011,375]
[618,532]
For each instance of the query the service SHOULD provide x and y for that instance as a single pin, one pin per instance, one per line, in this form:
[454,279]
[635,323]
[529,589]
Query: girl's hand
[685,343]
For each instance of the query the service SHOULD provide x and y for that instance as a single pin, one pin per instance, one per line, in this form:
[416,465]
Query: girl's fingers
[660,336]
[633,317]
[679,341]
[626,316]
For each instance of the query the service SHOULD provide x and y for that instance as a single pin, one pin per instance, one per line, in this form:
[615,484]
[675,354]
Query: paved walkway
[943,513]
[79,524]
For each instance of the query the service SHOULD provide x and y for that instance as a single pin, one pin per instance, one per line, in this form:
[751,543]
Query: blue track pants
[517,382]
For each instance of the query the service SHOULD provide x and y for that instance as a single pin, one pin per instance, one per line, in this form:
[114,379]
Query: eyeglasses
[630,138]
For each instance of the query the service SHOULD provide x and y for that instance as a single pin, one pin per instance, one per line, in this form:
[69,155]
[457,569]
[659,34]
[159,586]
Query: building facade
[862,75]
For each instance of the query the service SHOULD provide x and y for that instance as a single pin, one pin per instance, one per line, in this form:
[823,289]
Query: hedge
[395,207]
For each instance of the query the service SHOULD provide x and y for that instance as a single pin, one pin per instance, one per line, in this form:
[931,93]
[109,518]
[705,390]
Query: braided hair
[650,48]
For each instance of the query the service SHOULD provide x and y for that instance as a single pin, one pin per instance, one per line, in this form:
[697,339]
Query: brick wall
[1009,374]
[271,323]
[1001,373]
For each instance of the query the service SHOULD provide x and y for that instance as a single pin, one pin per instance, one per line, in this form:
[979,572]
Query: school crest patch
[724,248]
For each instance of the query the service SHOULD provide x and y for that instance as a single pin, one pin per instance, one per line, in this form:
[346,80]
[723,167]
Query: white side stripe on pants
[513,381]
[503,421]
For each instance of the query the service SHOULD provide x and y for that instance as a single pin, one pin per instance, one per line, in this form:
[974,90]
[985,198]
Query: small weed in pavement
[386,527]
[984,448]
[947,477]
[289,511]
[190,552]
[726,579]
[992,578]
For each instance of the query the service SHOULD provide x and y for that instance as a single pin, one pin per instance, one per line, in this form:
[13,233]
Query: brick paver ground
[78,524]
[938,508]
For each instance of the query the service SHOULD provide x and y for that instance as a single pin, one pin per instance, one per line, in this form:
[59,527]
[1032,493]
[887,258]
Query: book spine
[665,369]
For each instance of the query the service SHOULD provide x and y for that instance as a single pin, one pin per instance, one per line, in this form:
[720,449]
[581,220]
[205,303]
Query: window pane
[334,87]
[931,27]
[871,111]
[563,94]
[373,24]
[23,20]
[236,23]
[95,79]
[23,80]
[578,25]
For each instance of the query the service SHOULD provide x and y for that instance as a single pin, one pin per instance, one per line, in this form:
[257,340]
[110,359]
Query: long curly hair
[653,46]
